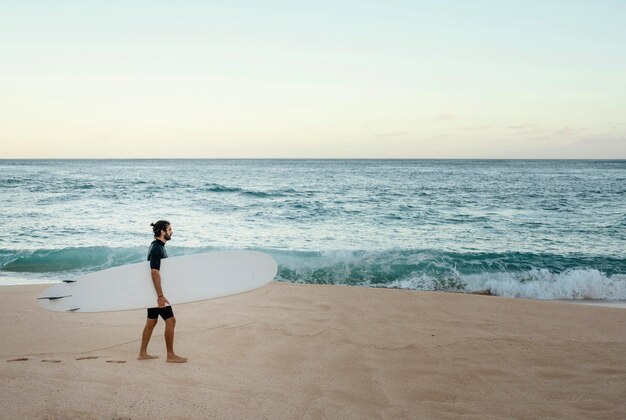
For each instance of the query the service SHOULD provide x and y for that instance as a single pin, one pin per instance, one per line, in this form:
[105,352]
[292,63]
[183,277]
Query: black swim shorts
[153,313]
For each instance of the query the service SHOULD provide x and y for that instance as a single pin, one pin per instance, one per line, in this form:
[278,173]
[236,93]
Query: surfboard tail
[53,297]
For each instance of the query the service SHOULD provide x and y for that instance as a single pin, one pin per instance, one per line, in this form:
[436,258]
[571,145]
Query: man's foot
[146,357]
[176,359]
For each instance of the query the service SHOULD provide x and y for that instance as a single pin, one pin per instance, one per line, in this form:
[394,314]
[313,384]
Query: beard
[167,237]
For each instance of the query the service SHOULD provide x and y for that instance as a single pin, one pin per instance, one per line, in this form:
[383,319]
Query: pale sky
[313,79]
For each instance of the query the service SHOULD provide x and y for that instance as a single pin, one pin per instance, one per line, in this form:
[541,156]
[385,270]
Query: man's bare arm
[156,280]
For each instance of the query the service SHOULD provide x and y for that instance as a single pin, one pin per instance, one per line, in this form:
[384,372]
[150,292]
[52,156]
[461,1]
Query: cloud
[476,127]
[529,129]
[617,142]
[522,127]
[395,134]
[445,117]
[569,131]
[596,147]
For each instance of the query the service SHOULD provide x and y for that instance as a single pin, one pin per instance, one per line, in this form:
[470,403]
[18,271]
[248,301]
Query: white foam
[421,282]
[587,284]
[543,284]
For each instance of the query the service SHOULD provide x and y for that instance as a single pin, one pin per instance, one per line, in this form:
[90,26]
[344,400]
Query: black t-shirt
[156,253]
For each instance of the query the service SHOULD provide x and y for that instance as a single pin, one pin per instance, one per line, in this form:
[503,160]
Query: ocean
[540,229]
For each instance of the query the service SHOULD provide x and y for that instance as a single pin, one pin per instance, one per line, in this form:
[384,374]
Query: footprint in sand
[51,361]
[116,361]
[20,359]
[87,358]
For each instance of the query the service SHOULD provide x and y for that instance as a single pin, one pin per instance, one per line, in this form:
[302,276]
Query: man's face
[168,233]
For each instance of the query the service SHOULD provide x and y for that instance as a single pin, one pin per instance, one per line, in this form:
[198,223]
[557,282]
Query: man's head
[162,230]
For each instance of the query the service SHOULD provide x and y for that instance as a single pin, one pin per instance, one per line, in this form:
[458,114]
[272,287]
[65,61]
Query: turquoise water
[536,229]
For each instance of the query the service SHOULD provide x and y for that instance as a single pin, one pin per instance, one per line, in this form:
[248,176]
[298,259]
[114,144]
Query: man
[162,233]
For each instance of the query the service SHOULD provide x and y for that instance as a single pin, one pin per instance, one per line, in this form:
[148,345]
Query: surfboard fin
[54,297]
[72,310]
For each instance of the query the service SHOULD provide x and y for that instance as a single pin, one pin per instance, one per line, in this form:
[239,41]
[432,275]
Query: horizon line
[302,158]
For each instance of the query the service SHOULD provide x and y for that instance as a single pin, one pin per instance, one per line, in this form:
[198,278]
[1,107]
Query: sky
[304,79]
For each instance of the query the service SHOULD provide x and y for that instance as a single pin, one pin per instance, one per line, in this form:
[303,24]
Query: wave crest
[514,274]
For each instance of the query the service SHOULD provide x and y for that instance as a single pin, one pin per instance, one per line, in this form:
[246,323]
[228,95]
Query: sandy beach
[290,351]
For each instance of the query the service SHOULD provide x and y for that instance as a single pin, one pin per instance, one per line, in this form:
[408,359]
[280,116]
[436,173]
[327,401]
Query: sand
[303,351]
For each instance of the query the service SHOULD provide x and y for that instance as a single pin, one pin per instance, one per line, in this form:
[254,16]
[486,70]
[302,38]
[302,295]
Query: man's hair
[159,226]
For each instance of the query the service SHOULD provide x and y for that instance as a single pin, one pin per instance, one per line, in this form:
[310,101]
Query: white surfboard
[184,279]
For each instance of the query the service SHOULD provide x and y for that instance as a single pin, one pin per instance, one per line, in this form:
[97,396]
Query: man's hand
[162,302]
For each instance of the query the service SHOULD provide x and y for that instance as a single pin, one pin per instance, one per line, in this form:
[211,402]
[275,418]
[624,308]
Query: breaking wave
[524,275]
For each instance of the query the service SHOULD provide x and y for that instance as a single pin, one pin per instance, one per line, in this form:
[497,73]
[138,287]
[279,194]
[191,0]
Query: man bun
[159,226]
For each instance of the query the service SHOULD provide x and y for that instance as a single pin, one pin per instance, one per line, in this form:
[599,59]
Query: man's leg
[145,339]
[170,324]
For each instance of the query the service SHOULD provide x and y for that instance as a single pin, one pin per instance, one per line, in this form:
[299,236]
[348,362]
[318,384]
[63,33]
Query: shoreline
[317,351]
[608,303]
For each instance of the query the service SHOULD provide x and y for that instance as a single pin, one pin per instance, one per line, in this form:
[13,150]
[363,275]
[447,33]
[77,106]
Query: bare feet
[176,359]
[146,357]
